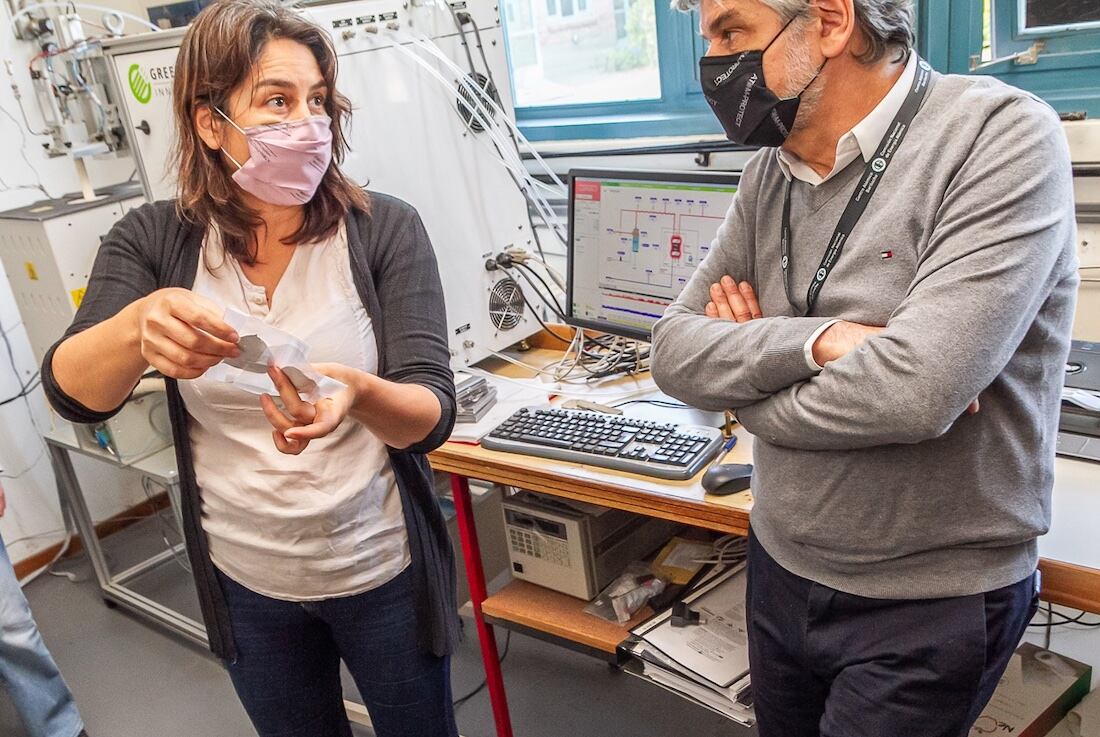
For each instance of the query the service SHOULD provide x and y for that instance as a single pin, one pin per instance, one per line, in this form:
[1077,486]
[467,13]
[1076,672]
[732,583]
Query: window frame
[680,110]
[950,32]
[1064,30]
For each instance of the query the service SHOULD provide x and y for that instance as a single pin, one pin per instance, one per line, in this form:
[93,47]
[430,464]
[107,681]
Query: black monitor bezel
[648,175]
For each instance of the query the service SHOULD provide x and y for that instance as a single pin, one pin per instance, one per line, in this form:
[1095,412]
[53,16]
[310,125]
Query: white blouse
[327,522]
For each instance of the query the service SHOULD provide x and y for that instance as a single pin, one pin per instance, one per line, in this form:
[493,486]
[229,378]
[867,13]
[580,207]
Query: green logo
[143,91]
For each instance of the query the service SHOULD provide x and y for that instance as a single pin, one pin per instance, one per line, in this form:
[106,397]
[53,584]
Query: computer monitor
[635,238]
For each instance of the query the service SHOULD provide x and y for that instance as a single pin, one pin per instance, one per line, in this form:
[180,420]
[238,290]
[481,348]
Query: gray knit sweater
[870,477]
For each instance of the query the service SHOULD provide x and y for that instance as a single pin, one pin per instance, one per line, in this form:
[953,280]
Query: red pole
[475,576]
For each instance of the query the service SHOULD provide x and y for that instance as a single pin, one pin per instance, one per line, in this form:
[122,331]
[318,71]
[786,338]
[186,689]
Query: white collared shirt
[864,137]
[862,140]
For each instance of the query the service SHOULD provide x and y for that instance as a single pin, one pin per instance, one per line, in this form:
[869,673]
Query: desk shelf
[558,618]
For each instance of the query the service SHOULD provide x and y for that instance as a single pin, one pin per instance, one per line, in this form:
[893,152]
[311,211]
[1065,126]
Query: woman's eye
[318,101]
[278,102]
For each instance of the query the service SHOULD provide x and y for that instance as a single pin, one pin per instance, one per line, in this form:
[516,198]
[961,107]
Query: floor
[132,679]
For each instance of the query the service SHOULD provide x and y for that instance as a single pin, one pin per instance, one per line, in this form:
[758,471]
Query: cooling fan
[506,305]
[480,101]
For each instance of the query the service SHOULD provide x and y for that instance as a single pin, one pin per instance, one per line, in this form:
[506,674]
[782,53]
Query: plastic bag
[628,593]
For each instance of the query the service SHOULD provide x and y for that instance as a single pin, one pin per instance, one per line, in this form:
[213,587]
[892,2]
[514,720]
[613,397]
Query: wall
[1084,142]
[33,515]
[1074,641]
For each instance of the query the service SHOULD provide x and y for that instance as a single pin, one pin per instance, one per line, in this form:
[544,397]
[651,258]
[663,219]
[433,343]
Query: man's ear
[207,126]
[837,25]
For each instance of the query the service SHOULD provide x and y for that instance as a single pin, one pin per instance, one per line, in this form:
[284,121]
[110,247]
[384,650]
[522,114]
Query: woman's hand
[301,421]
[182,333]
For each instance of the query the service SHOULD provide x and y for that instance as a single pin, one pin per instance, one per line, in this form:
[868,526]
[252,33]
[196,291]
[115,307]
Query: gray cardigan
[395,272]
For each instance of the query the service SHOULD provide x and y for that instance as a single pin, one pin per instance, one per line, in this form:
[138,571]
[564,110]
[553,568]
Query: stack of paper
[707,663]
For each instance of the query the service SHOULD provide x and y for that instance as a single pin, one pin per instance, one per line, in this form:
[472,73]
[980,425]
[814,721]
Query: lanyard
[872,176]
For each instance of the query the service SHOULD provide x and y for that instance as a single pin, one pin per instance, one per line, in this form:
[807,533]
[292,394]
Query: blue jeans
[26,667]
[287,671]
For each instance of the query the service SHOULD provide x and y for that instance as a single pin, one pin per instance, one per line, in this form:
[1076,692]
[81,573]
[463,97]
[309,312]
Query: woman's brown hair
[218,53]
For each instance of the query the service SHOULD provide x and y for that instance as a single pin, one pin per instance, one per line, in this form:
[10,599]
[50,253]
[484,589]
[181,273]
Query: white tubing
[431,47]
[544,208]
[489,126]
[41,6]
[475,110]
[546,212]
[428,45]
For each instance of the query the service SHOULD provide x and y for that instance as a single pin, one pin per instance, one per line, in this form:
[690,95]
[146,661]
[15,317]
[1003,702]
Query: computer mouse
[723,479]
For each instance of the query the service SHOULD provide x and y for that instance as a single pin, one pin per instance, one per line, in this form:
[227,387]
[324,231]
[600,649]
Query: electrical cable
[24,388]
[560,311]
[490,125]
[163,527]
[24,391]
[530,385]
[522,255]
[57,530]
[23,110]
[550,301]
[656,403]
[617,357]
[521,364]
[427,45]
[489,72]
[30,578]
[462,36]
[459,702]
[525,183]
[424,40]
[517,169]
[535,314]
[620,356]
[1066,620]
[23,151]
[27,9]
[727,550]
[534,153]
[35,383]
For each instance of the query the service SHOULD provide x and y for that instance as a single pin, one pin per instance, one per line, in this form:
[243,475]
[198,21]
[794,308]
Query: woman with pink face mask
[311,526]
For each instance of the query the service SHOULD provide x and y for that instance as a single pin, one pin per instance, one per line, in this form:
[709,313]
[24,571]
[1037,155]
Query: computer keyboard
[612,441]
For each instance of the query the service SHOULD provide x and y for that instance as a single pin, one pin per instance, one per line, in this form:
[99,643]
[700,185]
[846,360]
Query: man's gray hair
[886,24]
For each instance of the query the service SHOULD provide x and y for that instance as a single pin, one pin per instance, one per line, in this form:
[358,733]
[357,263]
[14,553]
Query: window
[604,68]
[1063,15]
[523,45]
[1049,47]
[565,9]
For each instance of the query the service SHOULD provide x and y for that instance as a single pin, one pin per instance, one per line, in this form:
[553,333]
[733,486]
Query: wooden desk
[539,610]
[535,610]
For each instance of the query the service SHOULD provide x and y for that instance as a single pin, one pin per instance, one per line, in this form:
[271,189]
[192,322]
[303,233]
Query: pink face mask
[287,160]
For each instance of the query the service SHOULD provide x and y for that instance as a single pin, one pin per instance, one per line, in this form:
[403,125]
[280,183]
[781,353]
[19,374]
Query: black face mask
[750,113]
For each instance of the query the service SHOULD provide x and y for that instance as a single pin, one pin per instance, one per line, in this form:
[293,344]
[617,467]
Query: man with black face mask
[888,308]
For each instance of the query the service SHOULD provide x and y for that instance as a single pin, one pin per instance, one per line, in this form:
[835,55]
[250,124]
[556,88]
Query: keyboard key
[543,440]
